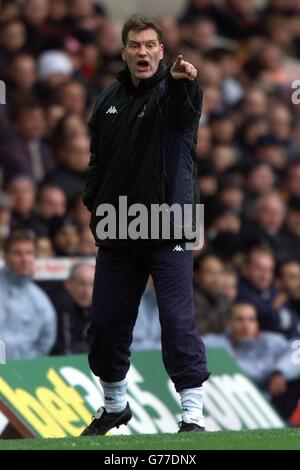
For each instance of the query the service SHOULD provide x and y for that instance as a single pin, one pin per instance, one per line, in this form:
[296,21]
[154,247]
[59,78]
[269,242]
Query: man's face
[260,270]
[20,258]
[293,222]
[23,195]
[271,215]
[76,155]
[72,97]
[142,54]
[67,239]
[210,275]
[229,285]
[290,279]
[80,287]
[52,202]
[293,182]
[31,124]
[243,325]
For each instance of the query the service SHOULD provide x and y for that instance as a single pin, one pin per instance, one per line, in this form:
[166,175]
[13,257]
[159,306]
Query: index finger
[178,60]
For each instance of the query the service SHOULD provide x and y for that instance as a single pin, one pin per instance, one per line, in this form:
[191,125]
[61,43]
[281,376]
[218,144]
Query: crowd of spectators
[55,58]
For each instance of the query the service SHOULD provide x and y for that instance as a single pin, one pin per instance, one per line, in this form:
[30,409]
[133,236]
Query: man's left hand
[182,69]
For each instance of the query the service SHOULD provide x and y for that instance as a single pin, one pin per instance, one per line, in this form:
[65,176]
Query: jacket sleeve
[93,173]
[185,102]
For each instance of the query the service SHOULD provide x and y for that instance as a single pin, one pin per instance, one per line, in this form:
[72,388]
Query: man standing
[144,129]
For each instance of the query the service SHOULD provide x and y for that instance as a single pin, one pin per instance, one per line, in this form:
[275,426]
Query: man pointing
[144,129]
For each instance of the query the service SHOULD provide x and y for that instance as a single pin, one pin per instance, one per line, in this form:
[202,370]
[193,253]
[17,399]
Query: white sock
[115,399]
[192,405]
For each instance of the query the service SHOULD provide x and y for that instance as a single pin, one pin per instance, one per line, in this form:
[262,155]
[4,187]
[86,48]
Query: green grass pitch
[278,439]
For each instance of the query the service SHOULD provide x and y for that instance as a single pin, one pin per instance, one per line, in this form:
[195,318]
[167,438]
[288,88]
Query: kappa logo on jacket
[112,110]
[178,248]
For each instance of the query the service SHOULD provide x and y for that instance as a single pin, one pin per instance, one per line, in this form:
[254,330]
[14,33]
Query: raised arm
[185,95]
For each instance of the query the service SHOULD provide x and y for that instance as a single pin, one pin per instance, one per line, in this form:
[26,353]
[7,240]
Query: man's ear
[123,53]
[161,51]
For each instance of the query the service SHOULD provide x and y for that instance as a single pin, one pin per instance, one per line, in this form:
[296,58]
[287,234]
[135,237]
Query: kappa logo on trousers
[178,248]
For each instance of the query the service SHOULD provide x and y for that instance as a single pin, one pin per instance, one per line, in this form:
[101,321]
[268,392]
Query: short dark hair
[200,259]
[281,265]
[18,236]
[140,23]
[25,104]
[242,303]
[262,248]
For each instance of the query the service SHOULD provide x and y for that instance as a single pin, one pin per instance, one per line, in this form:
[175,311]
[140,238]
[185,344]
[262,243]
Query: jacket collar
[125,79]
[14,278]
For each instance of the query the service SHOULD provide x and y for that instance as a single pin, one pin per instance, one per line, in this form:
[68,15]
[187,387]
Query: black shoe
[104,421]
[190,427]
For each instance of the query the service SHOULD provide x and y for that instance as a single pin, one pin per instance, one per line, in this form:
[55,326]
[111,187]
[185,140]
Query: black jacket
[72,325]
[143,143]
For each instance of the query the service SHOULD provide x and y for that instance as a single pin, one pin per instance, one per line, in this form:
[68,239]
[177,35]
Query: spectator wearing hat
[54,68]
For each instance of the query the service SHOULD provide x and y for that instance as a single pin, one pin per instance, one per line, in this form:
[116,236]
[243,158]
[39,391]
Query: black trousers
[120,280]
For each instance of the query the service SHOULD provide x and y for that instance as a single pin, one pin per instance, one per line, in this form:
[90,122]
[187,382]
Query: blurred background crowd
[55,58]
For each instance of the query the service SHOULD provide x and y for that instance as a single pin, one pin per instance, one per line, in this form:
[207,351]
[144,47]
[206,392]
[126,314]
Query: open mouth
[142,65]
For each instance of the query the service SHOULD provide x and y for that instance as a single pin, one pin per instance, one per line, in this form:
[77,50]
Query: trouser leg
[182,348]
[119,283]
